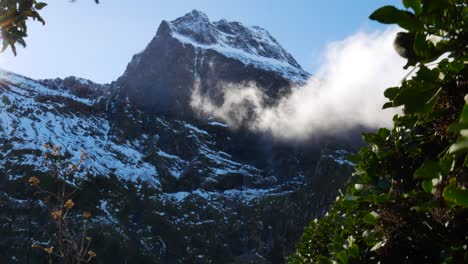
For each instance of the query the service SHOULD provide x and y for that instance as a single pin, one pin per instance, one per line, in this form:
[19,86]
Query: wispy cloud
[346,92]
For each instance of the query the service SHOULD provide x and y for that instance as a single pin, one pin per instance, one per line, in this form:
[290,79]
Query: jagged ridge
[193,51]
[251,45]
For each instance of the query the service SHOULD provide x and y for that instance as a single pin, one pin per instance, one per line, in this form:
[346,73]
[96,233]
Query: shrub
[69,240]
[407,200]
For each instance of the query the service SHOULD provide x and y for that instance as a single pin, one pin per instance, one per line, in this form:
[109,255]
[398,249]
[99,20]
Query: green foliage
[455,195]
[13,17]
[409,185]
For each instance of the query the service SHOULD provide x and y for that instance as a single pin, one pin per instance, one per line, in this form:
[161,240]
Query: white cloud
[346,92]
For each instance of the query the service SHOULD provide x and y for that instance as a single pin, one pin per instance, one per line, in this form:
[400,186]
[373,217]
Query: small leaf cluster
[13,17]
[407,200]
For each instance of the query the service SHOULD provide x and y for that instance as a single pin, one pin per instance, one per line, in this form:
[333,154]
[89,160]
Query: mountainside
[167,185]
[193,51]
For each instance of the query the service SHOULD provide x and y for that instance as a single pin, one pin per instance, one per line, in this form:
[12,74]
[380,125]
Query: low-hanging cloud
[346,92]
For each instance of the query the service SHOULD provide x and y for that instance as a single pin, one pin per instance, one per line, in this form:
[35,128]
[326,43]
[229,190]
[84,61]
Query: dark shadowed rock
[78,86]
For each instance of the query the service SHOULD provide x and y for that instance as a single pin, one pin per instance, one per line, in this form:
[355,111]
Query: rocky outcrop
[78,86]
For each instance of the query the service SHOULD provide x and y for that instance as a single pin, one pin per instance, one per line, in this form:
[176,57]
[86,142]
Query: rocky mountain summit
[165,184]
[193,51]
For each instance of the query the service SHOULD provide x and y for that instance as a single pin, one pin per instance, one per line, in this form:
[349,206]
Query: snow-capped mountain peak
[250,44]
[193,50]
[195,25]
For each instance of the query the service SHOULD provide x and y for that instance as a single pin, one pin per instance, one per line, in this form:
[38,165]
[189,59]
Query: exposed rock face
[78,86]
[165,186]
[191,50]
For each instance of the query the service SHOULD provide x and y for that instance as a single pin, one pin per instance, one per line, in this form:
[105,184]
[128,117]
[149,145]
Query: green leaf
[383,133]
[350,201]
[353,251]
[12,45]
[342,257]
[387,15]
[465,13]
[40,5]
[392,15]
[370,218]
[376,140]
[456,195]
[411,62]
[382,198]
[387,105]
[428,170]
[391,92]
[462,123]
[418,95]
[432,6]
[421,46]
[456,66]
[427,186]
[426,207]
[354,158]
[447,164]
[464,114]
[5,45]
[414,4]
[460,146]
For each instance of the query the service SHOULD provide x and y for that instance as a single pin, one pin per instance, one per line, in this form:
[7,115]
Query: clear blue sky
[97,41]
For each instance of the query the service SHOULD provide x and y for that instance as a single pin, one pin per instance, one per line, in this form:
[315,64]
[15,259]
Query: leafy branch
[407,201]
[14,15]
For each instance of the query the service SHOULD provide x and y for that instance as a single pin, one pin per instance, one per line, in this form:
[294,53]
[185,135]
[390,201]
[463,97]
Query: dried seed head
[86,215]
[57,214]
[57,150]
[49,250]
[69,204]
[34,181]
[91,254]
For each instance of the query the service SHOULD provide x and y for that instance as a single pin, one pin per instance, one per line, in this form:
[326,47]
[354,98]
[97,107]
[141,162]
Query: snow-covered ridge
[80,87]
[251,45]
[35,87]
[32,115]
